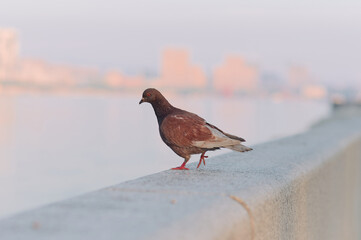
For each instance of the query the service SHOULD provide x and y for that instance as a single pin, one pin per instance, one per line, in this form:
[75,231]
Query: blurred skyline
[323,36]
[177,73]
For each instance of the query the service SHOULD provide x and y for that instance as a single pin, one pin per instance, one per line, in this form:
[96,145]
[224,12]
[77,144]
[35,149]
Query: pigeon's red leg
[202,159]
[183,166]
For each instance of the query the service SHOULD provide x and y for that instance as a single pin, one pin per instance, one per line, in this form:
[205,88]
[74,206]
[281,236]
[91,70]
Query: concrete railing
[306,186]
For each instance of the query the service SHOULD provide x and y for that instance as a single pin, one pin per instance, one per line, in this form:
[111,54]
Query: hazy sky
[323,35]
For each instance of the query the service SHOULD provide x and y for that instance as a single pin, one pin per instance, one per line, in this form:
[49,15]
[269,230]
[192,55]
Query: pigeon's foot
[202,159]
[180,168]
[183,166]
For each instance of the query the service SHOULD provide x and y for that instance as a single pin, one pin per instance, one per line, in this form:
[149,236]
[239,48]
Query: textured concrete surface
[306,186]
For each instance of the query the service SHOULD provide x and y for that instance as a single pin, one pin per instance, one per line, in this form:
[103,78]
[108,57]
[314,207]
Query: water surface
[54,147]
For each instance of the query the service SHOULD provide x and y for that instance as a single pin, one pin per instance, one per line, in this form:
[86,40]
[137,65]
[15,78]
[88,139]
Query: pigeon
[186,133]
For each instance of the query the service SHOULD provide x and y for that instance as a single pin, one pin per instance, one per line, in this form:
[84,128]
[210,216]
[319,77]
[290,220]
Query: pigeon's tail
[234,137]
[239,148]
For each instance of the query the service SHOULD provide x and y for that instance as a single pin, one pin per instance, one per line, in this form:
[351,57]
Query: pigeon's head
[150,95]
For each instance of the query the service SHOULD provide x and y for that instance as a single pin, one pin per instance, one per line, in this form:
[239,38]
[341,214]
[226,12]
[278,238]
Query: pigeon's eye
[148,94]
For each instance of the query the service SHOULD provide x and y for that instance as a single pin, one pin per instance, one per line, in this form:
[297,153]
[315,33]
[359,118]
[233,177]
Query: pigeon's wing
[190,130]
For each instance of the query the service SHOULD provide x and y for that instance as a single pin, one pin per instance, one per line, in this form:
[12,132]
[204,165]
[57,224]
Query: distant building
[32,72]
[302,83]
[298,76]
[9,51]
[271,82]
[314,91]
[177,71]
[41,73]
[235,75]
[115,79]
[358,96]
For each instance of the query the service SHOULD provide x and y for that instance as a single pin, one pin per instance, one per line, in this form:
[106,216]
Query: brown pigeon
[186,133]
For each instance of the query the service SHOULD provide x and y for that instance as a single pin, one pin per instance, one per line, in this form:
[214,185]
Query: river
[53,147]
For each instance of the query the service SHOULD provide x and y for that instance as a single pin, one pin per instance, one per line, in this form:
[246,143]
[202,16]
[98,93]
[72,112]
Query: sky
[129,35]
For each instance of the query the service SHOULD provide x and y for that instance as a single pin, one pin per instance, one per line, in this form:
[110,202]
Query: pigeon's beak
[141,101]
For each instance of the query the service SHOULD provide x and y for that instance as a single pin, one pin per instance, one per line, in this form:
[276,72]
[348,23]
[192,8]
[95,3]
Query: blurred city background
[72,74]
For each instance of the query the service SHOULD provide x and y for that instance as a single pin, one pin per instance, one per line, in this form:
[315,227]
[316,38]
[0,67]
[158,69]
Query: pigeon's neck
[162,108]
